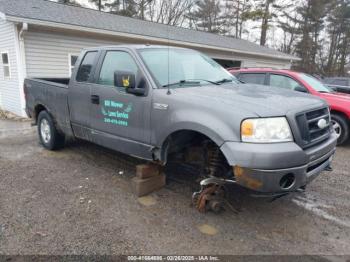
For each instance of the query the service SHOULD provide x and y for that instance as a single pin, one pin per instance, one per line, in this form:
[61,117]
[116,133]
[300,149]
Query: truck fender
[205,123]
[40,104]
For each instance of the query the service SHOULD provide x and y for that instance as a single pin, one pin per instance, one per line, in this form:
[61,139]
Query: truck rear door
[79,95]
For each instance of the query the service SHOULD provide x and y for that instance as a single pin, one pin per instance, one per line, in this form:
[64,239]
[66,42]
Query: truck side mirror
[127,80]
[124,79]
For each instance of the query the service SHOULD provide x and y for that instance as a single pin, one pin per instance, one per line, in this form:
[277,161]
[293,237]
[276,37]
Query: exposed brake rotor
[211,197]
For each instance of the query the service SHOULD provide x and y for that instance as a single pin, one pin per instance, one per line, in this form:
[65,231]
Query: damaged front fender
[245,177]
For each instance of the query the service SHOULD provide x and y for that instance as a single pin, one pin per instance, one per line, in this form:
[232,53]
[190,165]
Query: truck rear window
[86,66]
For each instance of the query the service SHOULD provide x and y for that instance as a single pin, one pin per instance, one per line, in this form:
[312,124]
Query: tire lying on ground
[341,127]
[49,136]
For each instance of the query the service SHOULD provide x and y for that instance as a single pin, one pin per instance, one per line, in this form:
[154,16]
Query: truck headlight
[266,130]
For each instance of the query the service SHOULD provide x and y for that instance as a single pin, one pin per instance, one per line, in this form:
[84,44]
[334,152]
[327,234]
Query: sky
[85,3]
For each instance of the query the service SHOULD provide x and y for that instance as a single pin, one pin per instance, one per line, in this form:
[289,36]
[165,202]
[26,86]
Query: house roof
[54,13]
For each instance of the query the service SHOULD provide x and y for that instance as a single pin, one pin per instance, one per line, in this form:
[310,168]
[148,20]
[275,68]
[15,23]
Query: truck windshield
[173,67]
[315,83]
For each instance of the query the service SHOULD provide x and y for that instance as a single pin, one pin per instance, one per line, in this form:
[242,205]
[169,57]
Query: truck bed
[53,94]
[63,81]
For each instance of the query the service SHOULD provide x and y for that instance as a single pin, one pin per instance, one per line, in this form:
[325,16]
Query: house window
[72,60]
[5,65]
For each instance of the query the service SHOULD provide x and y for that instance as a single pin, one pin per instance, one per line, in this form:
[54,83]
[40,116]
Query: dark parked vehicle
[339,84]
[157,103]
[287,79]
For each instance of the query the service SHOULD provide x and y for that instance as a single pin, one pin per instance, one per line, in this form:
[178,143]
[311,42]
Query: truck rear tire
[49,136]
[341,127]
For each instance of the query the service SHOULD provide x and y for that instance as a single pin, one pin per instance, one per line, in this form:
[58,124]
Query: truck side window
[250,78]
[283,82]
[86,66]
[116,61]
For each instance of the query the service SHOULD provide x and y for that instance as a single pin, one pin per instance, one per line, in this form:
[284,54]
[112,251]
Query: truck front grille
[310,126]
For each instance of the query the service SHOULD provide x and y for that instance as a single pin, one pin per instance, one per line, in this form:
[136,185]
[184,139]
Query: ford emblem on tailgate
[322,123]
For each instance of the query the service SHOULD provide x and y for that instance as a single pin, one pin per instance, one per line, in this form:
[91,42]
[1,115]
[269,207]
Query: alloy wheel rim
[337,128]
[45,131]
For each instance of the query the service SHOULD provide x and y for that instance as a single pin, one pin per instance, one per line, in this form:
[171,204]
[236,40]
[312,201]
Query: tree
[69,2]
[266,15]
[170,12]
[339,33]
[313,13]
[289,22]
[142,6]
[236,13]
[290,30]
[122,7]
[266,11]
[207,16]
[99,4]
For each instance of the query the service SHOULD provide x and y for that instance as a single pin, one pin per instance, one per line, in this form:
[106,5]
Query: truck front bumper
[278,168]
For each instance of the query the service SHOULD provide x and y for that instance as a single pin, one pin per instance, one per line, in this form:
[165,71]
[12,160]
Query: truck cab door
[79,95]
[120,120]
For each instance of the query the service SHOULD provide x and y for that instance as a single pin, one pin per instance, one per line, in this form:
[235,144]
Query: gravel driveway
[79,201]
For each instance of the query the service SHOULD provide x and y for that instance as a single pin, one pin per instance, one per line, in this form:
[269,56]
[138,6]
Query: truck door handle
[95,99]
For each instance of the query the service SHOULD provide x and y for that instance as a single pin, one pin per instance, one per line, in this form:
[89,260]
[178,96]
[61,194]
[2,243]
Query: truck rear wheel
[341,127]
[49,136]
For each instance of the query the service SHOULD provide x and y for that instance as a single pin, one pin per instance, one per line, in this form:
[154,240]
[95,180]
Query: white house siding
[266,63]
[10,97]
[47,53]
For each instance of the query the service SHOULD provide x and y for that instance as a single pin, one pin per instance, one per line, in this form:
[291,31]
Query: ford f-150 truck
[158,102]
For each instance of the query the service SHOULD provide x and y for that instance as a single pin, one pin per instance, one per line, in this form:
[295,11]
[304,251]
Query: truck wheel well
[37,110]
[179,140]
[340,114]
[187,146]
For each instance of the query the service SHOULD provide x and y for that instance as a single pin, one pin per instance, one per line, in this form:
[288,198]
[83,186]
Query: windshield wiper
[182,82]
[190,82]
[222,81]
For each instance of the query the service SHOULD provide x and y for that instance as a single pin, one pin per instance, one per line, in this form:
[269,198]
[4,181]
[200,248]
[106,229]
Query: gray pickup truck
[158,103]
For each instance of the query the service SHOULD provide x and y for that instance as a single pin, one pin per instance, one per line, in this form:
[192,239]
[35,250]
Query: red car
[339,102]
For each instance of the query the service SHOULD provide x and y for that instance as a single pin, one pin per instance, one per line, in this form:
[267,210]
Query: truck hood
[263,101]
